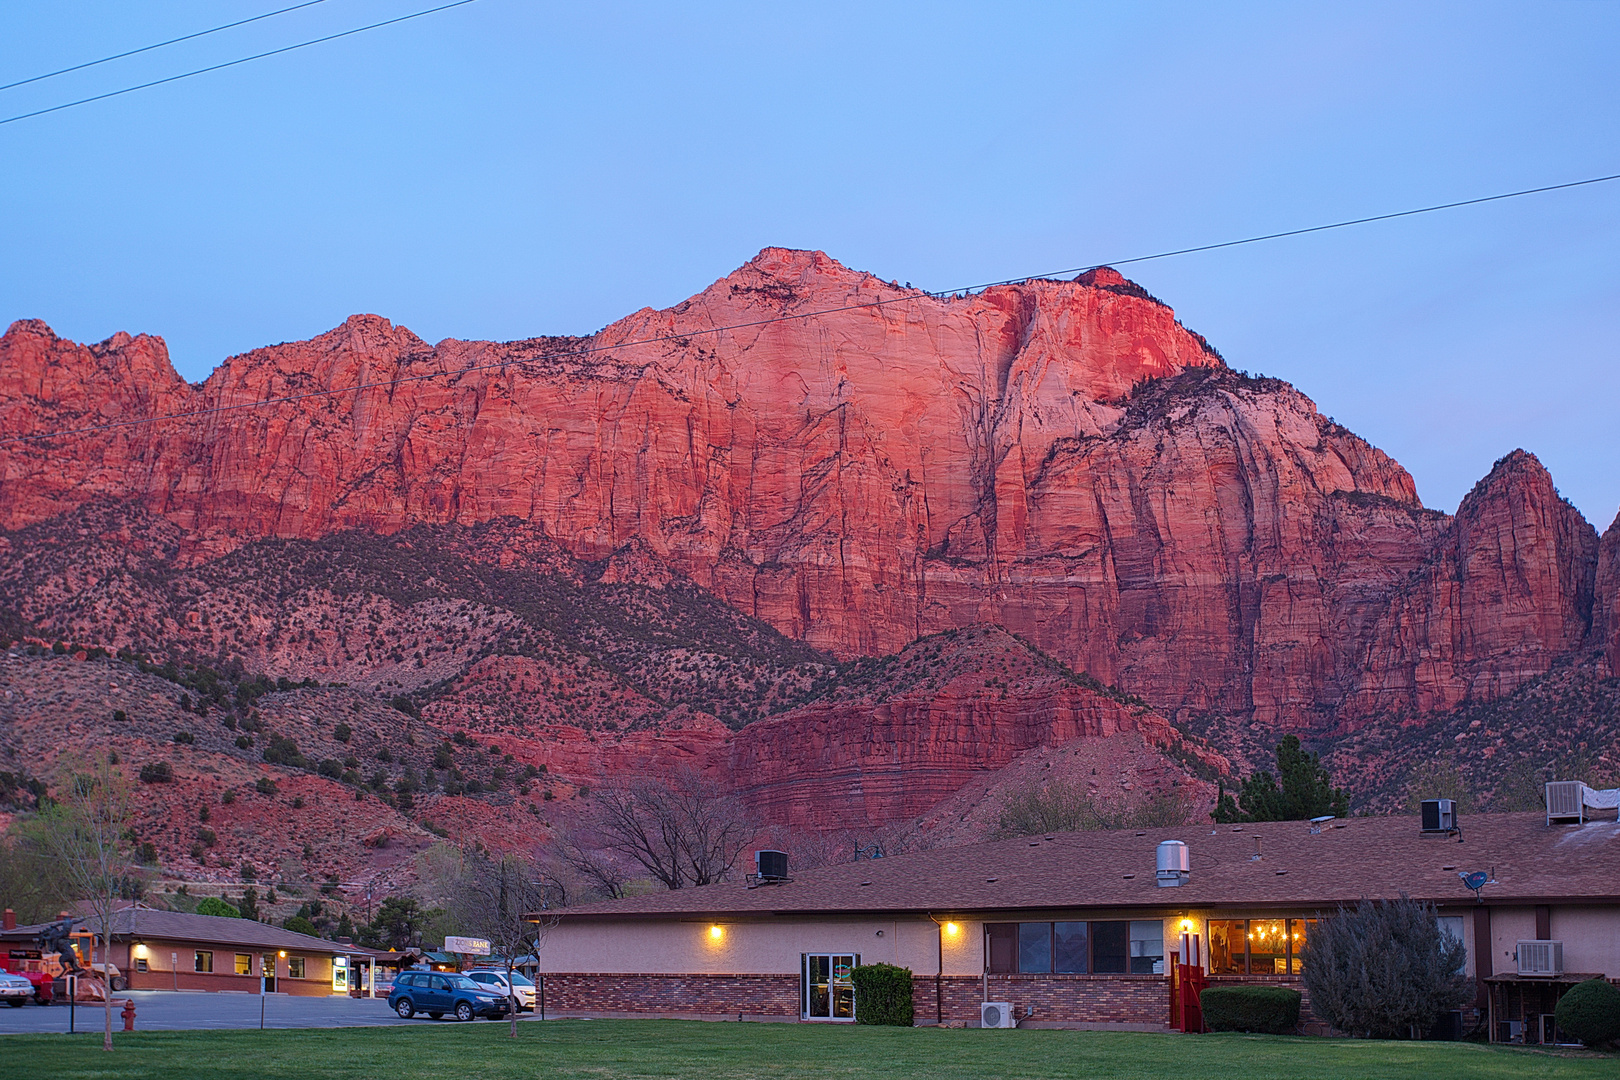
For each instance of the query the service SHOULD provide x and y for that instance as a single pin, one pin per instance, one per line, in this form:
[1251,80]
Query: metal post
[261,1006]
[73,1000]
[542,979]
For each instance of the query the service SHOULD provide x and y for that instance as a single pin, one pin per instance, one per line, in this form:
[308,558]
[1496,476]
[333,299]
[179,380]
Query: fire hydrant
[129,1014]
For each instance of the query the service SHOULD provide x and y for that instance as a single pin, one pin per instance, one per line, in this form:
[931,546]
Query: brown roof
[1350,859]
[206,929]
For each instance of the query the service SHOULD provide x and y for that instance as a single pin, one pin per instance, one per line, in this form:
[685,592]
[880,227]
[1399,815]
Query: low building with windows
[172,950]
[1080,929]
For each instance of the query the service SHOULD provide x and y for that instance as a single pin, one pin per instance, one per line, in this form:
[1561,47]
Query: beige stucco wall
[1591,937]
[755,947]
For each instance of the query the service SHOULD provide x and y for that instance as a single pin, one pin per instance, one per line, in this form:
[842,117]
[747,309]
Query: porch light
[282,953]
[1186,926]
[952,929]
[716,932]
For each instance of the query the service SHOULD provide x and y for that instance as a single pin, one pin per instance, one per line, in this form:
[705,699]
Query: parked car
[438,993]
[14,989]
[496,981]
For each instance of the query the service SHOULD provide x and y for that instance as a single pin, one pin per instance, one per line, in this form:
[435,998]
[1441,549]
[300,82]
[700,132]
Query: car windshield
[461,982]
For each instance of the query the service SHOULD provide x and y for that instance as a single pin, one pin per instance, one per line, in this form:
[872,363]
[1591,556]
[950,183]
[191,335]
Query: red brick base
[753,996]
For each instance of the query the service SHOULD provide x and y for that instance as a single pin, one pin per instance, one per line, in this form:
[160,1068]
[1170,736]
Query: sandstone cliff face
[909,731]
[1606,598]
[1062,458]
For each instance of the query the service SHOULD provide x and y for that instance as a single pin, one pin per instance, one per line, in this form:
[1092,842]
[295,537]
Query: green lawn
[714,1051]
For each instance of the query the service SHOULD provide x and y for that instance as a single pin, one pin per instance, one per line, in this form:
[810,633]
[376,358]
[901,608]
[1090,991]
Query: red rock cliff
[1062,458]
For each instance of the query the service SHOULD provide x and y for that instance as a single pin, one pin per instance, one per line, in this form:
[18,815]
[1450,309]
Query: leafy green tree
[400,922]
[213,905]
[300,925]
[1305,790]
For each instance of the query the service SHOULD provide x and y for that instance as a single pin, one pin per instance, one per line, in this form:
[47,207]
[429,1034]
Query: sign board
[470,945]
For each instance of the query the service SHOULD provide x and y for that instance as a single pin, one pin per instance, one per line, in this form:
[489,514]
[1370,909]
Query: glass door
[829,992]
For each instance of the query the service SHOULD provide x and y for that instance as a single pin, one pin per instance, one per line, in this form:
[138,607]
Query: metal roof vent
[770,868]
[1174,864]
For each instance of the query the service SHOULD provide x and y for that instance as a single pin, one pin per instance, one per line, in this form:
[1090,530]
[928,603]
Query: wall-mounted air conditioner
[1541,958]
[996,1014]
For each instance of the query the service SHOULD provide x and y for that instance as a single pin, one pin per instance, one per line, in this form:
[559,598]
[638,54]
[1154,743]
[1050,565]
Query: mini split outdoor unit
[996,1014]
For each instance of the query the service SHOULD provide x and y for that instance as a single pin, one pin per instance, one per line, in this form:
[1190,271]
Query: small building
[1080,930]
[173,950]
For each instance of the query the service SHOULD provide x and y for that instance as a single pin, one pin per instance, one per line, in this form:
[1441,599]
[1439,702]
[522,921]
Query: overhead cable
[234,63]
[159,45]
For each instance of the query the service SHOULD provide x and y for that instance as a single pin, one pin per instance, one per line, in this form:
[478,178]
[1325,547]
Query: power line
[159,45]
[908,297]
[234,63]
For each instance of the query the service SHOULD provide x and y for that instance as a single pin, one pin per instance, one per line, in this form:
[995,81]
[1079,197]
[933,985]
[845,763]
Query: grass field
[708,1051]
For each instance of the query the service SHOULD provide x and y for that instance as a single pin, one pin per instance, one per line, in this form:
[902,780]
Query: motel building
[1107,930]
[172,950]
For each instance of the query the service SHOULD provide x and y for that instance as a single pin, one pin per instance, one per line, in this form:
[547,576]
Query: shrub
[244,742]
[331,768]
[147,853]
[406,706]
[228,797]
[207,837]
[883,994]
[157,772]
[185,738]
[213,905]
[265,786]
[283,751]
[1268,1010]
[342,732]
[1590,1011]
[1384,969]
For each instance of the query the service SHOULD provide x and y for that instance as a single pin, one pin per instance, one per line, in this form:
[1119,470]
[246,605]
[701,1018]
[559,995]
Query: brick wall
[1125,1000]
[1134,1000]
[704,995]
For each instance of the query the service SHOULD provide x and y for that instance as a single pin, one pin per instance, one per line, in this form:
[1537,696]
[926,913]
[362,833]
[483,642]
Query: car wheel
[464,1010]
[405,1009]
[119,984]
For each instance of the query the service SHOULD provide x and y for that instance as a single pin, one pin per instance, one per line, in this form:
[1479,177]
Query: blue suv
[437,993]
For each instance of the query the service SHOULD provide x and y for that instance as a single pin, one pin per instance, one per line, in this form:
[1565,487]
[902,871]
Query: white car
[496,981]
[14,989]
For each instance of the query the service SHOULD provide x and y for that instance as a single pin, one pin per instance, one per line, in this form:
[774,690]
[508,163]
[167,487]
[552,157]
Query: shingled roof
[212,929]
[1350,859]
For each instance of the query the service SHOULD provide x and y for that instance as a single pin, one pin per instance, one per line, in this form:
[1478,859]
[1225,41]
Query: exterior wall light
[716,932]
[282,953]
[952,929]
[1186,926]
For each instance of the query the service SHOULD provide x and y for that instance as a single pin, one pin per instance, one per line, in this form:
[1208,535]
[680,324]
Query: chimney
[1173,864]
[10,919]
[1256,856]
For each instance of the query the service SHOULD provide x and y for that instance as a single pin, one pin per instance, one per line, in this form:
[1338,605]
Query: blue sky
[509,169]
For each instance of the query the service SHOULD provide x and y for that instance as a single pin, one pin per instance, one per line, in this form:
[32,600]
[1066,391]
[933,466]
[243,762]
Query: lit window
[204,961]
[295,967]
[244,963]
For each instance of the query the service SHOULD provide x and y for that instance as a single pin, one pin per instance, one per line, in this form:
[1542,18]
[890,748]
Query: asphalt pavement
[196,1010]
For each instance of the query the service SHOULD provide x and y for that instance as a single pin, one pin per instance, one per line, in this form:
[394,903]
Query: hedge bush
[1590,1011]
[1268,1010]
[882,994]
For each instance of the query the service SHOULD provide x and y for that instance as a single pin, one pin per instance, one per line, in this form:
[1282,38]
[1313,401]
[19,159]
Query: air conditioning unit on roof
[996,1014]
[1541,958]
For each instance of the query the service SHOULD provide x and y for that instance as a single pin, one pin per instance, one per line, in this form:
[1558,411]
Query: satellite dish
[1476,880]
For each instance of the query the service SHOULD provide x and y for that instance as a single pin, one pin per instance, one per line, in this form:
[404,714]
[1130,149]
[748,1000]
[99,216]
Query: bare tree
[87,831]
[687,831]
[578,861]
[504,899]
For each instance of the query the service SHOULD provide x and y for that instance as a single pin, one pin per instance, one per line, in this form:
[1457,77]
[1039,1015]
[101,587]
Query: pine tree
[1306,791]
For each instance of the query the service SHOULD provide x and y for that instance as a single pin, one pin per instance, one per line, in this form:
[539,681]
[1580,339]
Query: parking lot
[168,1010]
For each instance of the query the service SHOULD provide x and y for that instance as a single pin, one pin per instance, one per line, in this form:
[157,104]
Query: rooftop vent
[1174,864]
